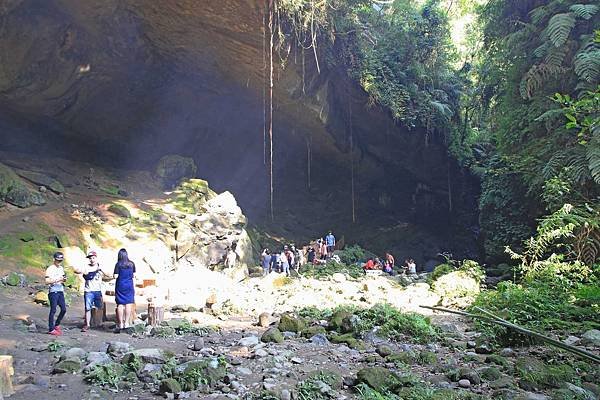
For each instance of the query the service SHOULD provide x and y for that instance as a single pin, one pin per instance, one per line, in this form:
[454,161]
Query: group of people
[388,266]
[289,258]
[93,276]
[292,258]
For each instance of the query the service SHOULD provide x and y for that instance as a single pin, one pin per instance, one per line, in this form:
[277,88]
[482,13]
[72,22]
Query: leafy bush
[538,305]
[394,323]
[351,254]
[330,268]
[105,375]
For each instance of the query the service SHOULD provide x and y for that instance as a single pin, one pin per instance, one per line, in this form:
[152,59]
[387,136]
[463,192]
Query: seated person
[377,263]
[370,265]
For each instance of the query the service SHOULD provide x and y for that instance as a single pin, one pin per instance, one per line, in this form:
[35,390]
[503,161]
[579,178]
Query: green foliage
[313,388]
[540,305]
[105,375]
[351,254]
[330,268]
[419,392]
[54,346]
[469,267]
[399,52]
[394,324]
[538,375]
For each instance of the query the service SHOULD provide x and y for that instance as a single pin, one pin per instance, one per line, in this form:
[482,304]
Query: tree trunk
[155,314]
[6,372]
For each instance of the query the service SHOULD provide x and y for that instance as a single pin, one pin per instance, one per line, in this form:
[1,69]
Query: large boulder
[172,169]
[591,337]
[381,379]
[289,323]
[14,191]
[43,180]
[456,288]
[272,335]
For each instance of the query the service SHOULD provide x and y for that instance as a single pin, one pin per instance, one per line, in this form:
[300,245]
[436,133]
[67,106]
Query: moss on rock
[169,385]
[289,323]
[272,335]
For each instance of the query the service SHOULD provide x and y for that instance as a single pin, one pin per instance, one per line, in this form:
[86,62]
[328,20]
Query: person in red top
[370,264]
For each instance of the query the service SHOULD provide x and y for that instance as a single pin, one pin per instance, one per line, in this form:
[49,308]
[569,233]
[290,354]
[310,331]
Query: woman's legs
[128,314]
[121,316]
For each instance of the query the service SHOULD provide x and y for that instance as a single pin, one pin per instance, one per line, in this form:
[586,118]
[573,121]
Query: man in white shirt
[92,292]
[55,277]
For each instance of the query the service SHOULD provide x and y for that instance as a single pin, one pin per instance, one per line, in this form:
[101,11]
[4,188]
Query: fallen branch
[493,319]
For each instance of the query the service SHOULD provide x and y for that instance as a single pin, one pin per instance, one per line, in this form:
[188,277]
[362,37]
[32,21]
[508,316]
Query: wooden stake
[6,372]
[156,314]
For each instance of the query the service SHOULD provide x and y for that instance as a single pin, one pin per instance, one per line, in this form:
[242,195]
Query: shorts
[330,249]
[92,300]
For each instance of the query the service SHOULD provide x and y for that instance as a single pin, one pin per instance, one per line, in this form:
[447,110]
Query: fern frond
[577,165]
[442,109]
[536,76]
[554,165]
[538,14]
[593,159]
[585,11]
[559,28]
[556,55]
[541,50]
[587,64]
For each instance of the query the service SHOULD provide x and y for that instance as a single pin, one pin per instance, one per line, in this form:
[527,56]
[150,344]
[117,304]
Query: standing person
[412,267]
[266,262]
[230,257]
[55,277]
[289,255]
[124,290]
[92,292]
[311,255]
[285,264]
[330,243]
[388,264]
[322,249]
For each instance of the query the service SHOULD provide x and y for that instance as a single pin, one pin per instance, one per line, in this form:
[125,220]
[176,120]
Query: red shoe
[54,332]
[58,329]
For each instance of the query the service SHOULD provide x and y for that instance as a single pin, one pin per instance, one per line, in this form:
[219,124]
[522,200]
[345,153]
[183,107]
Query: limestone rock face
[129,81]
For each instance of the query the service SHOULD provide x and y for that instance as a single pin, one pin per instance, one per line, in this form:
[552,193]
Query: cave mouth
[121,84]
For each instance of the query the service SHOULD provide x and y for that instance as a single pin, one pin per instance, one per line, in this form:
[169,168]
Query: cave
[122,83]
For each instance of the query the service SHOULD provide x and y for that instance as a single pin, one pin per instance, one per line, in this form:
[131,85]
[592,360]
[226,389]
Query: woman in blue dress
[124,289]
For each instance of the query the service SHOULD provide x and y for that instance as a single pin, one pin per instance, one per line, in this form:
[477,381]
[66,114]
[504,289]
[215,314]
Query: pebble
[507,352]
[297,360]
[260,353]
[198,344]
[249,341]
[243,371]
[285,395]
[464,383]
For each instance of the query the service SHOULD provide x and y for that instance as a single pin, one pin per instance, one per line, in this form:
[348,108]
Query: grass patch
[414,393]
[282,281]
[32,248]
[111,190]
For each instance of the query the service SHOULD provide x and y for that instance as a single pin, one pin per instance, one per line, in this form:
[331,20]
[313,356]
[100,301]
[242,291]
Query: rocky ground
[195,355]
[231,333]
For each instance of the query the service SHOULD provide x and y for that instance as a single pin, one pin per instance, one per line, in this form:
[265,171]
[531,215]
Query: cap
[58,256]
[91,254]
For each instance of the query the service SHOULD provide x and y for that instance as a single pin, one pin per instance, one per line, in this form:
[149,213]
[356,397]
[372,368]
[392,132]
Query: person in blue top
[330,243]
[266,261]
[124,290]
